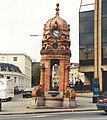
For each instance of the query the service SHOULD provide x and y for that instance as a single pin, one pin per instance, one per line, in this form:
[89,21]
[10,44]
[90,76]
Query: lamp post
[35,35]
[72,80]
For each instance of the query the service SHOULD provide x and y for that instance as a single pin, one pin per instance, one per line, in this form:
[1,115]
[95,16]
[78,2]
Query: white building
[24,63]
[55,75]
[74,74]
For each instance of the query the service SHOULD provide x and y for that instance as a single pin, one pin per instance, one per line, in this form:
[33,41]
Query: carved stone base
[36,103]
[32,103]
[53,102]
[40,101]
[67,103]
[73,104]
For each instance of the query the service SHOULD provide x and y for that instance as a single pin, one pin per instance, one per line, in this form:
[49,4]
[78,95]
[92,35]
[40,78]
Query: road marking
[102,118]
[40,116]
[23,116]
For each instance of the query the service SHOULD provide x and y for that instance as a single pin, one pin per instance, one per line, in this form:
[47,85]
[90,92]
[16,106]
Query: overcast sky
[21,18]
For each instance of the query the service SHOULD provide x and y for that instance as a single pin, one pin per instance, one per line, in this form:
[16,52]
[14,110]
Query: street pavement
[23,107]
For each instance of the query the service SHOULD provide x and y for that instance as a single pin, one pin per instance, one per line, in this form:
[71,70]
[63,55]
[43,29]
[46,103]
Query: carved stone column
[62,77]
[42,67]
[67,68]
[47,76]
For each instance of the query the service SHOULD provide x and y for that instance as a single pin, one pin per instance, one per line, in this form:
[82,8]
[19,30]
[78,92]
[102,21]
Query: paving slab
[22,107]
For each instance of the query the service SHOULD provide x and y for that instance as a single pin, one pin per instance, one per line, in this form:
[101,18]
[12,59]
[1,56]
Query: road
[19,104]
[92,115]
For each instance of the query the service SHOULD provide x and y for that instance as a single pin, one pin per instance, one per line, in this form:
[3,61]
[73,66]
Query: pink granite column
[47,76]
[42,75]
[66,82]
[62,77]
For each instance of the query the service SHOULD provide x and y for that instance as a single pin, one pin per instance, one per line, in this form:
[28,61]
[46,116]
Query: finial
[57,9]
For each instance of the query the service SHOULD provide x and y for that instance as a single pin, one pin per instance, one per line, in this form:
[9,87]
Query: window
[14,58]
[104,37]
[14,79]
[86,26]
[3,68]
[8,77]
[86,38]
[2,58]
[104,8]
[104,32]
[87,15]
[104,23]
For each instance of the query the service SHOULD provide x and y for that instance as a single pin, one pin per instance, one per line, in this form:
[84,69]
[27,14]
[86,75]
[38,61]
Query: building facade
[24,63]
[93,42]
[74,74]
[12,72]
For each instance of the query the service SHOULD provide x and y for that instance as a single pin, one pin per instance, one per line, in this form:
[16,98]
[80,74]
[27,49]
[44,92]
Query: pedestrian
[80,85]
[76,85]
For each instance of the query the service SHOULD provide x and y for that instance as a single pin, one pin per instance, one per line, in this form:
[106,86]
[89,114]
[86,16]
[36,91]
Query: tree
[35,73]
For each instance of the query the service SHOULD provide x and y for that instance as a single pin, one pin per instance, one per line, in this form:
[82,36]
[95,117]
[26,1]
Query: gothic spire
[57,9]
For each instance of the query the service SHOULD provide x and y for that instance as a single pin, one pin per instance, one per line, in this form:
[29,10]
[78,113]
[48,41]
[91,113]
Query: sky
[19,19]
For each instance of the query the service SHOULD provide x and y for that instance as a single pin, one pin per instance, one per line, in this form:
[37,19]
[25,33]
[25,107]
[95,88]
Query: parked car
[102,102]
[27,93]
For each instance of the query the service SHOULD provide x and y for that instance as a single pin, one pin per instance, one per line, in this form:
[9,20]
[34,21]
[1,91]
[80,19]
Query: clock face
[55,45]
[55,32]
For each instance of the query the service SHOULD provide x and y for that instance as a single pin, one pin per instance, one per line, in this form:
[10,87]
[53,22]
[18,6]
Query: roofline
[17,54]
[11,73]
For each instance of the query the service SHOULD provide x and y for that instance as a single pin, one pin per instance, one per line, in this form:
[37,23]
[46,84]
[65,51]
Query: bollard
[0,105]
[95,97]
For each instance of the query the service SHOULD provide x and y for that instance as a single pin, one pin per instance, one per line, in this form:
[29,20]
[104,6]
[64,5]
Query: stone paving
[21,107]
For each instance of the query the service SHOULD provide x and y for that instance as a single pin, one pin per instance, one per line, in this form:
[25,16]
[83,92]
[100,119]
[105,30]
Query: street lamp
[35,35]
[72,80]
